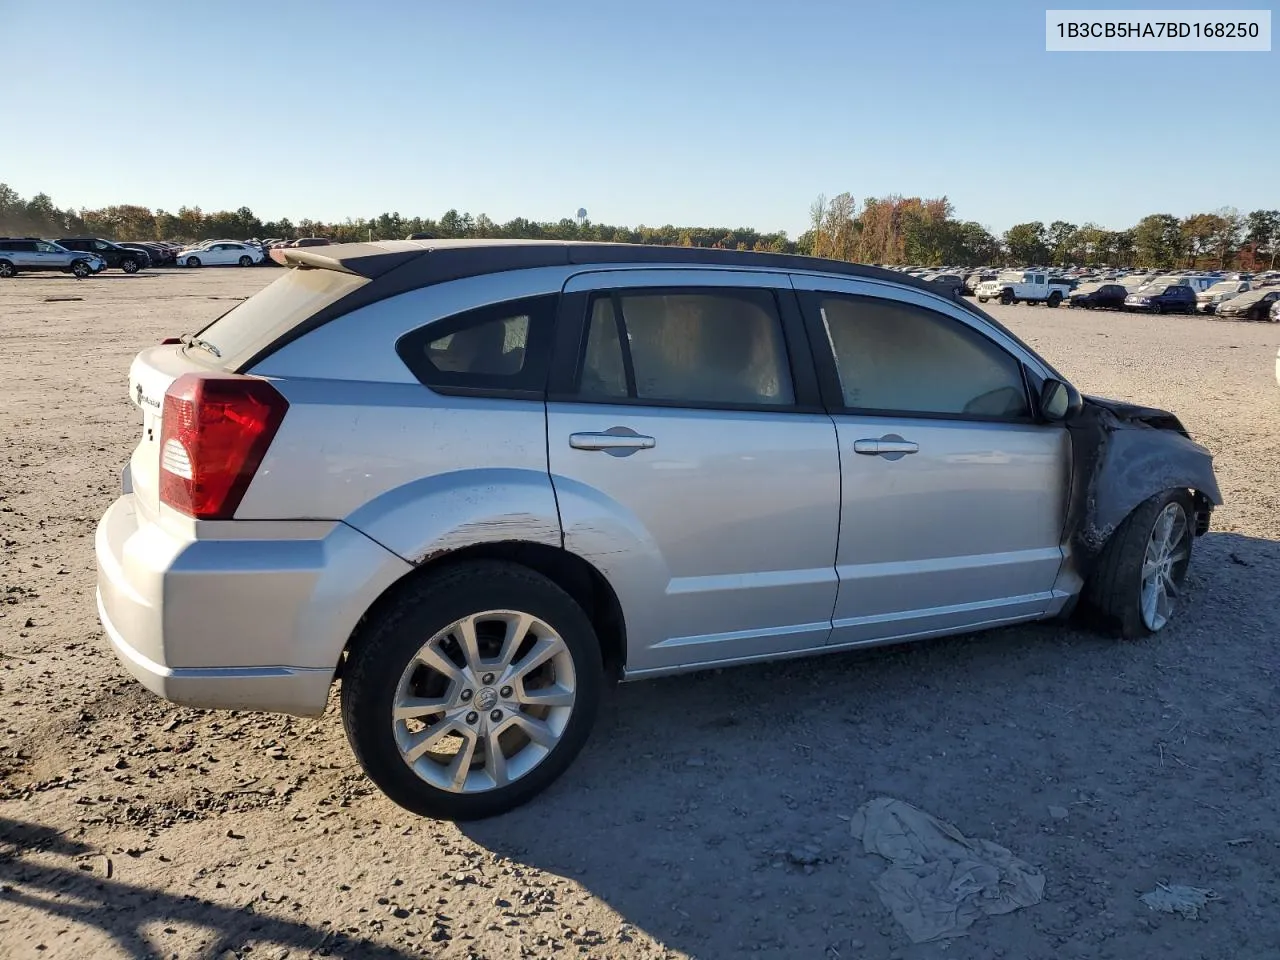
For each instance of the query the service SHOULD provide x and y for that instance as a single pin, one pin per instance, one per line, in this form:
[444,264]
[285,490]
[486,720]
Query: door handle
[890,446]
[619,441]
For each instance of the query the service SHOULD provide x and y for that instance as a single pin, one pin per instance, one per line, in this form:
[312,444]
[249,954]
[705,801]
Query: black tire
[81,270]
[246,261]
[193,261]
[1007,298]
[983,299]
[129,265]
[7,269]
[1112,594]
[1055,298]
[1157,309]
[381,653]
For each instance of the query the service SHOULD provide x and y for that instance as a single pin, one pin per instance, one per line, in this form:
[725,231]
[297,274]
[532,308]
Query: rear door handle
[618,441]
[890,446]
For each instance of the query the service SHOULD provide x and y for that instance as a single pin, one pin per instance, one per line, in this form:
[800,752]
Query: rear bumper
[253,623]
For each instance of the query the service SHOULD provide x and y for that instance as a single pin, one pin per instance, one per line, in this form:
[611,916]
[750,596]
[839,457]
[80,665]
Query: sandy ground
[708,817]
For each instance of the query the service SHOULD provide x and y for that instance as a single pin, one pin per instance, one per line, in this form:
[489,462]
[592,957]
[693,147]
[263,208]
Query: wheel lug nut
[495,716]
[472,717]
[466,695]
[487,679]
[505,691]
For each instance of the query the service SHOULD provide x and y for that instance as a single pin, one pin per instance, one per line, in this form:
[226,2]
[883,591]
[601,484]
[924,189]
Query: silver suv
[474,479]
[19,254]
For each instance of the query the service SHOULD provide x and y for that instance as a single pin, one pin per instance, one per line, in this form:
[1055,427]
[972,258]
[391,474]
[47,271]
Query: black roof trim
[397,266]
[420,263]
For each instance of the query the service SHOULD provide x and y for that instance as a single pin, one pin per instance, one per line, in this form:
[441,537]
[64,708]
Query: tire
[1007,298]
[7,269]
[1114,593]
[1055,298]
[1157,309]
[246,261]
[193,261]
[129,265]
[81,270]
[384,667]
[983,299]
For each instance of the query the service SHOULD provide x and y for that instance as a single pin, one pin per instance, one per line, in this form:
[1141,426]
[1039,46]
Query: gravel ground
[709,815]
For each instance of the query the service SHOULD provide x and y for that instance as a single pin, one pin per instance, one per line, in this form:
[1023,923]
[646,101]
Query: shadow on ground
[712,810]
[122,910]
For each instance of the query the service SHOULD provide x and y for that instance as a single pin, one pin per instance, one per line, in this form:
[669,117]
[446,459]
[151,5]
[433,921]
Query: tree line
[887,230]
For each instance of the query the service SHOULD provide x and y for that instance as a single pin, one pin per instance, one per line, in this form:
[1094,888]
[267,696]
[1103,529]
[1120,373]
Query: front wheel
[246,261]
[1156,308]
[473,691]
[1142,569]
[81,269]
[193,261]
[1006,297]
[983,299]
[129,265]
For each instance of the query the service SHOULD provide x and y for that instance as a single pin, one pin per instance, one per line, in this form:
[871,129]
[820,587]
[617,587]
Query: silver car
[474,479]
[28,255]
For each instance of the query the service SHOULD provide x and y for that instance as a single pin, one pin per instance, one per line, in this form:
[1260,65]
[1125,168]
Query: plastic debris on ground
[1177,898]
[939,881]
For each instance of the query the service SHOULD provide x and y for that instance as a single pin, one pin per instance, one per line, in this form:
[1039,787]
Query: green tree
[1027,243]
[1157,240]
[1262,226]
[1061,239]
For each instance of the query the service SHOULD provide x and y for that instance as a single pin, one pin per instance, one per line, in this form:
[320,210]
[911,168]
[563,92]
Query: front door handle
[617,441]
[890,446]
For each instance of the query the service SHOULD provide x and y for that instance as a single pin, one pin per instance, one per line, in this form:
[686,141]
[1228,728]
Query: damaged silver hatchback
[473,479]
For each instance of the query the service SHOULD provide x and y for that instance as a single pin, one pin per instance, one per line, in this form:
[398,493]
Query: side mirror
[1059,401]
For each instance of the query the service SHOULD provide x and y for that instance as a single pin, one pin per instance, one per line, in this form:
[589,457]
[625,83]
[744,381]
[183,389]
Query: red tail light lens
[215,432]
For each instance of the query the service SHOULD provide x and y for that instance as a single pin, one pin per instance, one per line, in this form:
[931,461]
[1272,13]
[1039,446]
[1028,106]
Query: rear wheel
[246,261]
[1055,298]
[7,269]
[473,691]
[193,261]
[129,265]
[1141,570]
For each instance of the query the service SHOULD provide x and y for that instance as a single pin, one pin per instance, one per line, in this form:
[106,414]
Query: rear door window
[688,347]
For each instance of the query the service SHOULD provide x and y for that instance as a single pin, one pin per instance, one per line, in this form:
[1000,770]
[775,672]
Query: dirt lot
[709,815]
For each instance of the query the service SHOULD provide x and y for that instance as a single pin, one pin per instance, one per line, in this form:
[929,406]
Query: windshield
[1249,297]
[279,307]
[1088,287]
[1223,287]
[1014,276]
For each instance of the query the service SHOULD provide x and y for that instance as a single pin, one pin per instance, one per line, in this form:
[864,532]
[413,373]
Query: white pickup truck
[1032,286]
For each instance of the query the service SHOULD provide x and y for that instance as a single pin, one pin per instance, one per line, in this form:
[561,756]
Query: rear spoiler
[367,260]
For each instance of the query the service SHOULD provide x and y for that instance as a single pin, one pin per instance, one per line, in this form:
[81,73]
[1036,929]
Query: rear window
[275,310]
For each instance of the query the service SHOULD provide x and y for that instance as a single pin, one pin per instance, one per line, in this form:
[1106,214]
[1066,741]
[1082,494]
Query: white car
[1210,298]
[221,253]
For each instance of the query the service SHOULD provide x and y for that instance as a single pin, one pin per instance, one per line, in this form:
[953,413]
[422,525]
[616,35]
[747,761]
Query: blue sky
[653,111]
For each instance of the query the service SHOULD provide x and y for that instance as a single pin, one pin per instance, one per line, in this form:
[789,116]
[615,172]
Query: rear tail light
[214,434]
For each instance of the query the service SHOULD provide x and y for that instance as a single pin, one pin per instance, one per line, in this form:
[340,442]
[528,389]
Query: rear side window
[713,347]
[275,310]
[900,358]
[497,350]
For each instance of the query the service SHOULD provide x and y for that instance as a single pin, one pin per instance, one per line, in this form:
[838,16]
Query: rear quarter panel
[419,472]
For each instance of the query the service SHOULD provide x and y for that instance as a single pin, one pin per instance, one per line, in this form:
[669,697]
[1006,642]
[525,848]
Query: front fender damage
[1122,455]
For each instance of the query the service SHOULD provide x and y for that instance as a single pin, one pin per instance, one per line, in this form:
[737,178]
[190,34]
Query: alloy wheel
[1164,565]
[484,701]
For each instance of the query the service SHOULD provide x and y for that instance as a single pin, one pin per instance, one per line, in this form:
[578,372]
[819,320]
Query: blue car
[1173,299]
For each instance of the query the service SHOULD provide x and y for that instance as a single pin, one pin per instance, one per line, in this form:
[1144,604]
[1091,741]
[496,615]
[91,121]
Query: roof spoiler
[369,260]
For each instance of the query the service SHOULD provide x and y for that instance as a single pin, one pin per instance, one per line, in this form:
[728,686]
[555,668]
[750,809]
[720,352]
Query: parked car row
[30,254]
